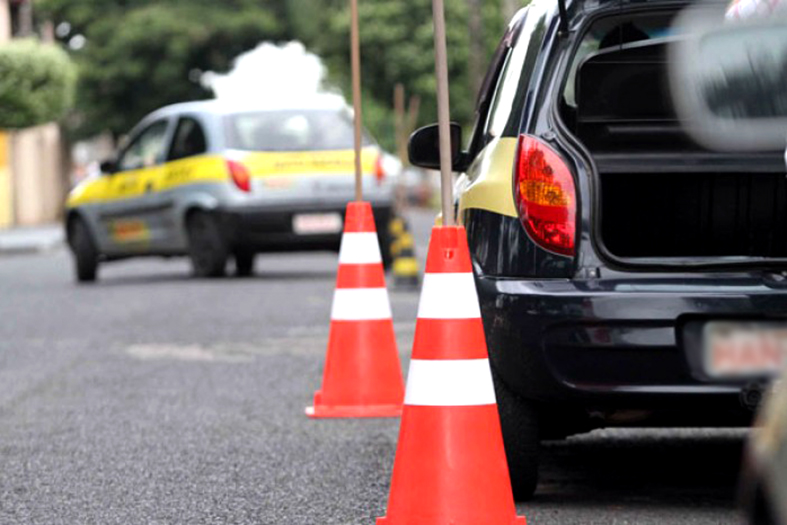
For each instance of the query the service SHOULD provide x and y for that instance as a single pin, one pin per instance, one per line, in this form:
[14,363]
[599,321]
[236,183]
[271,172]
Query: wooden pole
[400,123]
[355,55]
[412,113]
[476,57]
[443,112]
[510,7]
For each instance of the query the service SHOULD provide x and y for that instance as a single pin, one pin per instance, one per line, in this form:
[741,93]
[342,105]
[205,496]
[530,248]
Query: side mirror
[424,148]
[108,167]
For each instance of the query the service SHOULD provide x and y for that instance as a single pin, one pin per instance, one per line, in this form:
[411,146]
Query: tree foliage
[36,83]
[397,47]
[142,54]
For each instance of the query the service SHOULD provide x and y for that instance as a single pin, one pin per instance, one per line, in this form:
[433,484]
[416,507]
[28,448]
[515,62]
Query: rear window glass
[614,32]
[290,131]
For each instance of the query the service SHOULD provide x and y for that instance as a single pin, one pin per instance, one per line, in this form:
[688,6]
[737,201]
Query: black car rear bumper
[611,344]
[270,228]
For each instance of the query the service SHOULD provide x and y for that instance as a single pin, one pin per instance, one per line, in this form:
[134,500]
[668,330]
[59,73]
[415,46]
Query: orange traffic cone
[363,376]
[450,463]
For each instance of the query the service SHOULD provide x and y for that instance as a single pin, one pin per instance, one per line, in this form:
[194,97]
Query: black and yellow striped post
[405,265]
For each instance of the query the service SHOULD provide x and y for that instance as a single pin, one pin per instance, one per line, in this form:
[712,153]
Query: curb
[19,242]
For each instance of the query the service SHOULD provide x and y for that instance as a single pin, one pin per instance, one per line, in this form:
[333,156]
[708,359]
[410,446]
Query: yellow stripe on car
[490,183]
[213,168]
[277,163]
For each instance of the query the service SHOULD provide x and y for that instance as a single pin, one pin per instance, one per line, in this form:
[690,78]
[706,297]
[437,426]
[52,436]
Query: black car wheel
[244,263]
[207,247]
[519,422]
[84,250]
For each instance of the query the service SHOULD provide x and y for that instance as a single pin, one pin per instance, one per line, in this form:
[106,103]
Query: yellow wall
[6,191]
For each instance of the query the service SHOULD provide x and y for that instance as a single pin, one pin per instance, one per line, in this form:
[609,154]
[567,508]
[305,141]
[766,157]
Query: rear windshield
[617,96]
[290,130]
[615,32]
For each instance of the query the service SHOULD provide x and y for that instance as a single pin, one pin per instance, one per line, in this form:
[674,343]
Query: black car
[627,275]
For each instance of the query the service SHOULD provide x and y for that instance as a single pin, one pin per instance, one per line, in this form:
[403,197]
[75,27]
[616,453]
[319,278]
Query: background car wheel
[207,248]
[519,422]
[244,263]
[84,250]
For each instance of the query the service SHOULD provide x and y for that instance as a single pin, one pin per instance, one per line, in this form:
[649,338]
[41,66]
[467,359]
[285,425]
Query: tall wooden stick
[355,52]
[443,112]
[400,123]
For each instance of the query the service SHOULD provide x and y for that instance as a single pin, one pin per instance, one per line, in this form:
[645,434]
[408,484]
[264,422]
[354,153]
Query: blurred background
[107,63]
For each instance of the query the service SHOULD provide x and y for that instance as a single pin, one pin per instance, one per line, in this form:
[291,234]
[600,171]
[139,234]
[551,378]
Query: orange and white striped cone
[363,376]
[450,463]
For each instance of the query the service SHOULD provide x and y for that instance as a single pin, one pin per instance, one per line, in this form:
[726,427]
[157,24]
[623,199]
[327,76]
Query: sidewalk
[31,239]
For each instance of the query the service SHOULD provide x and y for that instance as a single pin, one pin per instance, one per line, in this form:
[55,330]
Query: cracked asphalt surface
[153,397]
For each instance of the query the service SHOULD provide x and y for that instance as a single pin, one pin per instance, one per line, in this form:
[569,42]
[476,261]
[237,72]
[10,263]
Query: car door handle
[148,187]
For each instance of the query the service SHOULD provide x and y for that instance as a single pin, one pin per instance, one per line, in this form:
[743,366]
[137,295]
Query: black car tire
[84,249]
[207,247]
[244,263]
[519,423]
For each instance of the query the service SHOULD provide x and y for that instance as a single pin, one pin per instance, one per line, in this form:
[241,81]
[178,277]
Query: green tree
[36,83]
[397,46]
[140,55]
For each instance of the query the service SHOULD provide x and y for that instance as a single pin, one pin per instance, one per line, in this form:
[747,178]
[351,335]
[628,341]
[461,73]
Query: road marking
[182,353]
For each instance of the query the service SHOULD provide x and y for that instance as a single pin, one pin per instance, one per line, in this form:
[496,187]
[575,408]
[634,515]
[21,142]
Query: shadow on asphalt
[698,467]
[229,280]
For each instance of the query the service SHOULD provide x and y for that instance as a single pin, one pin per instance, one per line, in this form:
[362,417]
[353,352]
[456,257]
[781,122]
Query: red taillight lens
[379,171]
[545,196]
[240,175]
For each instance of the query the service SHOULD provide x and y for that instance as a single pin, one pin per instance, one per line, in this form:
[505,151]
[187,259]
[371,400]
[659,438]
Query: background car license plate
[744,349]
[315,223]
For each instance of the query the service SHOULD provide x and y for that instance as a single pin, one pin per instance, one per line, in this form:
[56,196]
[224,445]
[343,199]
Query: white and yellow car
[212,181]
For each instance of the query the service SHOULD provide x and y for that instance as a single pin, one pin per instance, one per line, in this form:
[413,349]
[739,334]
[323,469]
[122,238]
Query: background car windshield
[290,131]
[146,150]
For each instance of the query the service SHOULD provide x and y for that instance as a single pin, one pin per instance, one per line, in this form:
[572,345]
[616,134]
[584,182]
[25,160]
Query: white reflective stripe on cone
[360,248]
[448,296]
[449,382]
[360,304]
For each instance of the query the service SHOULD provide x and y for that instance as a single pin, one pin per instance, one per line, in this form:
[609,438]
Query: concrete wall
[6,189]
[37,175]
[32,186]
[6,186]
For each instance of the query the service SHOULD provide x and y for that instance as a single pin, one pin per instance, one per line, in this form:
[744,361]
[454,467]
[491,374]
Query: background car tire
[207,248]
[519,423]
[84,250]
[244,263]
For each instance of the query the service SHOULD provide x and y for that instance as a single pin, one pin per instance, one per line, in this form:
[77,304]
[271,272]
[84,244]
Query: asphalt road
[152,397]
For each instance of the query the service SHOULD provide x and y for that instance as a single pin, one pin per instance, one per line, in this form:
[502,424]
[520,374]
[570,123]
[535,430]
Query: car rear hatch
[661,198]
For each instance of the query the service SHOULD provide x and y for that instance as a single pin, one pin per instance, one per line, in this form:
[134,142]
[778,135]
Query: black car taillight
[545,196]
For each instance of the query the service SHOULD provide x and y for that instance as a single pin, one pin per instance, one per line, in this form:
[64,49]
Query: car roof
[224,107]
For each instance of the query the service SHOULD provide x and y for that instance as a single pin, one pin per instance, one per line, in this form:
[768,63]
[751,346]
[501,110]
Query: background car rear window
[290,131]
